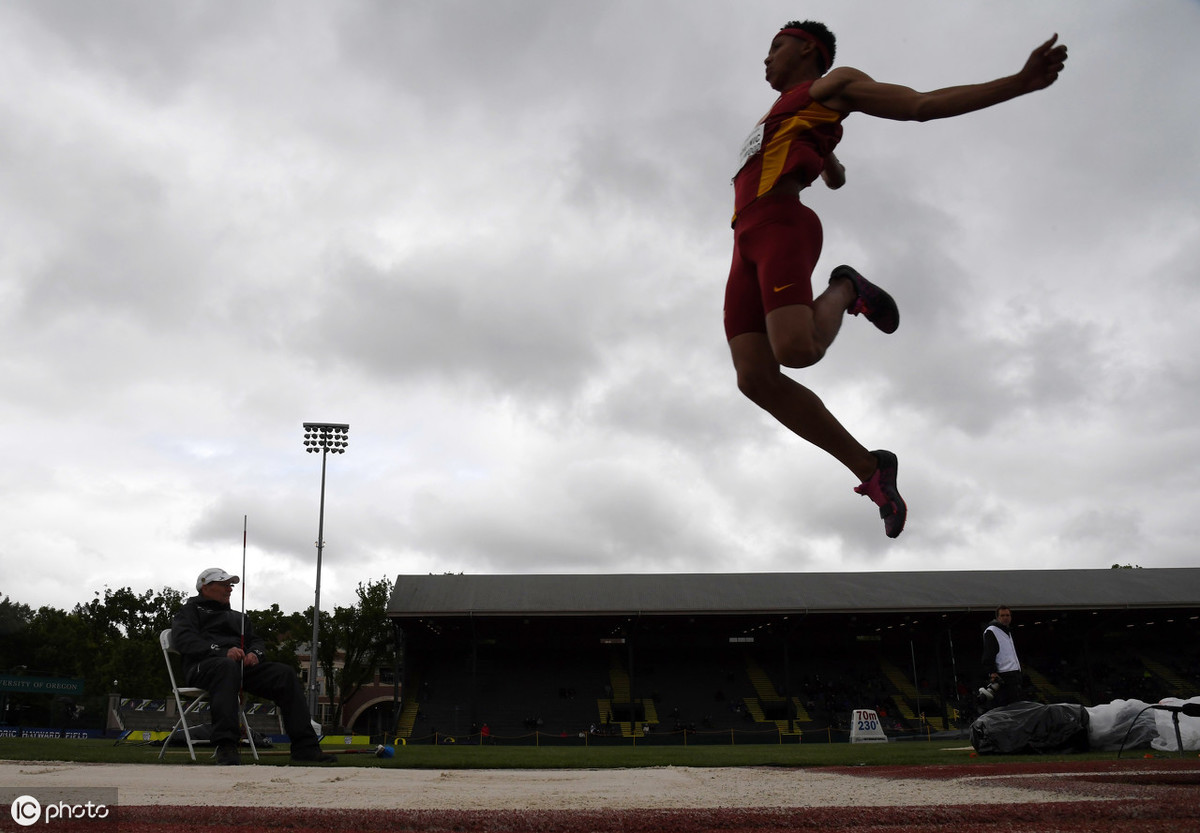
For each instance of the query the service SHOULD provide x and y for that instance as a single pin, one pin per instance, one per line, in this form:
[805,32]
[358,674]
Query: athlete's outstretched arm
[834,172]
[850,90]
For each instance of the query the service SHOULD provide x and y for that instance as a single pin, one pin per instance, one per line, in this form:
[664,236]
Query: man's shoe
[228,755]
[881,488]
[873,302]
[312,756]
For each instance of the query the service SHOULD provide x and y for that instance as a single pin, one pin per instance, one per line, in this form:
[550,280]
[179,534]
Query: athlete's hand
[834,172]
[1043,66]
[251,659]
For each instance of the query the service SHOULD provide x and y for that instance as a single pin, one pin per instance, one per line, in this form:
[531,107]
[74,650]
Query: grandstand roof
[417,596]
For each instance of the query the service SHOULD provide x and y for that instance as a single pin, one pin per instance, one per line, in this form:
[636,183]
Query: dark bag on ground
[1031,728]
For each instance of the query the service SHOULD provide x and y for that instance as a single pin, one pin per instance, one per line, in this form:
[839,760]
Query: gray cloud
[494,239]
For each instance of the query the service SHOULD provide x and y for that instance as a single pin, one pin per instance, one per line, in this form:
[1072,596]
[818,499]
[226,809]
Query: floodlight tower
[325,438]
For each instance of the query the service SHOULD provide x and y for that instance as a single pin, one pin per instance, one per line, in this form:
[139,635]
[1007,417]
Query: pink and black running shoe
[881,488]
[873,302]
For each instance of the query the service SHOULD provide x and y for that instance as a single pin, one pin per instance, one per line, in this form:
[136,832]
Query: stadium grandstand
[770,657]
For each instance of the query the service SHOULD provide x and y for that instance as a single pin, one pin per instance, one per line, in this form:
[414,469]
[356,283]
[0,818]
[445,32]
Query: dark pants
[224,678]
[1010,688]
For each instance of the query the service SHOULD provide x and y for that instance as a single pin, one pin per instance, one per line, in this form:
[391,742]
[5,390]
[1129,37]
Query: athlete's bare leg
[803,335]
[800,335]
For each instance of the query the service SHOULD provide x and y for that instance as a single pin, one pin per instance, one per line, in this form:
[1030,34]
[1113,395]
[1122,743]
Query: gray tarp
[1026,727]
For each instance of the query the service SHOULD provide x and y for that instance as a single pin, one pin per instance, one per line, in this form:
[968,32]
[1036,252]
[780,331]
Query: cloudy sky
[493,238]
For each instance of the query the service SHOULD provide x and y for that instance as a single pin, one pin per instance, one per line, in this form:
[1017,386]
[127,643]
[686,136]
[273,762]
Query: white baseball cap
[215,574]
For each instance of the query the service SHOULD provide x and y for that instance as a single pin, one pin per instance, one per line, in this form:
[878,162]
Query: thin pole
[312,662]
[242,665]
[243,580]
[954,669]
[916,682]
[244,583]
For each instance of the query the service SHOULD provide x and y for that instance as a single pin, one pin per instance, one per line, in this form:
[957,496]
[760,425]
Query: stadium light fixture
[324,438]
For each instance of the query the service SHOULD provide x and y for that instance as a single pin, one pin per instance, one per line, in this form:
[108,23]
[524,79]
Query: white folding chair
[195,697]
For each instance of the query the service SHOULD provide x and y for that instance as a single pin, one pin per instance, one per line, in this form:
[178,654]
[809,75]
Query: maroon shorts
[776,244]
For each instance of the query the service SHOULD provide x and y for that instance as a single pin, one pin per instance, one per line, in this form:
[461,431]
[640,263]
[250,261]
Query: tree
[14,622]
[114,637]
[363,636]
[282,632]
[118,639]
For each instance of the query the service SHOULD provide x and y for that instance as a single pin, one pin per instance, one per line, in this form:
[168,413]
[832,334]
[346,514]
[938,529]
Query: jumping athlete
[772,319]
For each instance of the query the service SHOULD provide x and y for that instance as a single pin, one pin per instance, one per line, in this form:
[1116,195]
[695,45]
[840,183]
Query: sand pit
[350,787]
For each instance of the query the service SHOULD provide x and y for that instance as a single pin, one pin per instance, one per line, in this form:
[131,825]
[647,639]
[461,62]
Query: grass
[917,753]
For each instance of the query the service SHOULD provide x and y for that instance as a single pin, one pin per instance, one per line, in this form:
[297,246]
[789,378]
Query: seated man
[222,654]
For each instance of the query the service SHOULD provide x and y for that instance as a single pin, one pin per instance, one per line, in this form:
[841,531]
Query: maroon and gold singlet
[777,239]
[793,138]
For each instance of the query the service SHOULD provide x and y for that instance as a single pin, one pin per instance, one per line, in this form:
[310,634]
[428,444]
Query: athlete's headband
[811,38]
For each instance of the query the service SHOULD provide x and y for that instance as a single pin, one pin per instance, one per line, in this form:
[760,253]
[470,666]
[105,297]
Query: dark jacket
[204,628]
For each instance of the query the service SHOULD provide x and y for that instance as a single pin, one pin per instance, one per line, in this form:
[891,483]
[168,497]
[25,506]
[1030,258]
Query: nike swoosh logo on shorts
[785,286]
